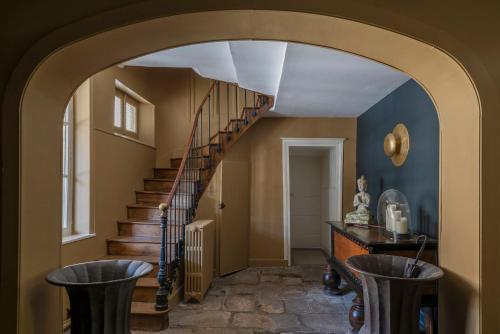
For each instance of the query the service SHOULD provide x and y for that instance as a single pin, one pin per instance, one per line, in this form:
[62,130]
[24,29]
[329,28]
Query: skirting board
[267,262]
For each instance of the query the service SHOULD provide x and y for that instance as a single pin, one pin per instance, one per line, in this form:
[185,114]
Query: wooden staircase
[151,234]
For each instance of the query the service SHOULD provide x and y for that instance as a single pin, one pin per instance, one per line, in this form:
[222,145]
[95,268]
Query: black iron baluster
[244,110]
[164,283]
[201,128]
[254,112]
[177,246]
[219,144]
[209,126]
[236,108]
[227,107]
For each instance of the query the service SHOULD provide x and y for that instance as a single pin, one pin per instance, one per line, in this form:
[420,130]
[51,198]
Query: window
[125,113]
[67,169]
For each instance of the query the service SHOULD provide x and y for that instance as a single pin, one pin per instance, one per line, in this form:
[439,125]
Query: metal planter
[100,293]
[392,302]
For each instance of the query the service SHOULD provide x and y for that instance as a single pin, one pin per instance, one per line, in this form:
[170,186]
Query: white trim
[336,145]
[76,237]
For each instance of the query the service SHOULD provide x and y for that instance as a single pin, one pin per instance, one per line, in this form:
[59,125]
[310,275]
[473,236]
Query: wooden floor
[301,256]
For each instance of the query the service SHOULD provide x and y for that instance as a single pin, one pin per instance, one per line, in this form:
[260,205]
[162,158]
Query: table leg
[357,313]
[331,281]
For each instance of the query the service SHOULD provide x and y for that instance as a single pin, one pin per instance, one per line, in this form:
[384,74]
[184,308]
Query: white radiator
[199,259]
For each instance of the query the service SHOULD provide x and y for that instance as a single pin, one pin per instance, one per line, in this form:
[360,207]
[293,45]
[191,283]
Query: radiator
[199,259]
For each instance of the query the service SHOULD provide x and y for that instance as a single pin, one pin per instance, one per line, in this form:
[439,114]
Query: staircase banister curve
[187,149]
[179,211]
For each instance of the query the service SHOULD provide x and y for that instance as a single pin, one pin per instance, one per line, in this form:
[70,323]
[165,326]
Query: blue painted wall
[418,178]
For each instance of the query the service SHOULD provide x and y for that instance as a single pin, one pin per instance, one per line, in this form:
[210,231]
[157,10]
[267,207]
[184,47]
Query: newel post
[163,281]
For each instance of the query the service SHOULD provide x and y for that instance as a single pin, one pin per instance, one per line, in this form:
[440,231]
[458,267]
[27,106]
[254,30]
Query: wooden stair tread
[144,222]
[137,239]
[176,168]
[193,157]
[155,192]
[147,282]
[146,309]
[158,179]
[159,192]
[140,221]
[142,206]
[144,258]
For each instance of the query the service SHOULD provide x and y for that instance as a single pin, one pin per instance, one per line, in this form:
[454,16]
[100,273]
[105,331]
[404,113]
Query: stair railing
[202,152]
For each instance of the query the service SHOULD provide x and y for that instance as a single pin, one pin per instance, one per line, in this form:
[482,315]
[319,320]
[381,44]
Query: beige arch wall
[451,89]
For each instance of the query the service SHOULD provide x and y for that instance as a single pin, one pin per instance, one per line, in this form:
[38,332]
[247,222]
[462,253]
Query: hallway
[265,300]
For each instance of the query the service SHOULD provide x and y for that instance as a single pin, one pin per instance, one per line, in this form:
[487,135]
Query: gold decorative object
[397,144]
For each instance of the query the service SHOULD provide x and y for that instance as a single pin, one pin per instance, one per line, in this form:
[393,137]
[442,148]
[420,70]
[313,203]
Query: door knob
[222,205]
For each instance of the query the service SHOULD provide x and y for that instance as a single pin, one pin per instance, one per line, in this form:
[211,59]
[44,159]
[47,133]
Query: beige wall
[103,90]
[105,183]
[180,93]
[266,210]
[118,165]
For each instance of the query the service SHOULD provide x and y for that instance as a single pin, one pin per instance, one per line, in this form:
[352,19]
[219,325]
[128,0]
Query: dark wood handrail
[187,147]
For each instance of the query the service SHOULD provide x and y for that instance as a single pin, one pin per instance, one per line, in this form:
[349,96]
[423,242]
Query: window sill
[76,237]
[134,140]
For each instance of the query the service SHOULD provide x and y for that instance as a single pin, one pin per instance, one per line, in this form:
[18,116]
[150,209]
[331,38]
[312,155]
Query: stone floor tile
[242,289]
[254,320]
[217,291]
[292,280]
[271,305]
[168,331]
[298,306]
[291,292]
[244,277]
[199,318]
[209,303]
[327,323]
[224,331]
[240,303]
[287,322]
[265,300]
[272,278]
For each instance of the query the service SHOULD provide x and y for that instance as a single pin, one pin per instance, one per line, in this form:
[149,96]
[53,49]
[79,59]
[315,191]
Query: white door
[305,201]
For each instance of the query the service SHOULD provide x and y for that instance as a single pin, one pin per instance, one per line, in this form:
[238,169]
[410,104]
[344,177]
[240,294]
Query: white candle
[402,226]
[395,219]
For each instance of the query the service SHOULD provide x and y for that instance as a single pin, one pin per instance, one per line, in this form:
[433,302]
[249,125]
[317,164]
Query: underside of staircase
[140,235]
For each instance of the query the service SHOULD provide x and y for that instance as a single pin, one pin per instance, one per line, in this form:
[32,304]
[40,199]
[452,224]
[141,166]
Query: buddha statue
[361,202]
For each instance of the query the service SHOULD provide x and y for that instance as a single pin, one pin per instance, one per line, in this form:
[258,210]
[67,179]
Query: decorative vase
[100,294]
[392,302]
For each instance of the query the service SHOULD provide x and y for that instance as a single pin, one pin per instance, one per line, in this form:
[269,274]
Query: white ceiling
[307,81]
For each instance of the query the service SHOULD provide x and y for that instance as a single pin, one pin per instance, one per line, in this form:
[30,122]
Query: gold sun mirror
[397,144]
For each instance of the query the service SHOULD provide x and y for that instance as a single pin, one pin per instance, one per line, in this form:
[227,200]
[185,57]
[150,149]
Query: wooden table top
[375,237]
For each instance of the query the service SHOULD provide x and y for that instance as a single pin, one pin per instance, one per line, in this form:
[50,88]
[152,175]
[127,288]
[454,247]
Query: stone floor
[265,300]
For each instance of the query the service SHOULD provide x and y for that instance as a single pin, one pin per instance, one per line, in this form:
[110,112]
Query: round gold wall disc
[397,144]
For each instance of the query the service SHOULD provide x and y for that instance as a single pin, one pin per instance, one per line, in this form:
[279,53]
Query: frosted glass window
[118,111]
[130,117]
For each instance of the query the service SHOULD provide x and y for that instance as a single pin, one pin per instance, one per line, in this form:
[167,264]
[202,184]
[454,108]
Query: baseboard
[267,263]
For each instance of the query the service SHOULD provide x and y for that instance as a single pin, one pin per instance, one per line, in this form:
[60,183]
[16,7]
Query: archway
[443,78]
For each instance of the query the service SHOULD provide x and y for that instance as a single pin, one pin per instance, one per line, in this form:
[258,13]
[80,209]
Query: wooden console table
[352,240]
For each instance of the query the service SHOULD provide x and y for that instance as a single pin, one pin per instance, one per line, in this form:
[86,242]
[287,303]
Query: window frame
[126,99]
[67,216]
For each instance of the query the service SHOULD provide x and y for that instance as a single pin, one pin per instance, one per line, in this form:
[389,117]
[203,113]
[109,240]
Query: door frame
[336,155]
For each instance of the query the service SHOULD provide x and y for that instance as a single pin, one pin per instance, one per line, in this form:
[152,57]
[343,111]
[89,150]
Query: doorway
[309,204]
[312,194]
